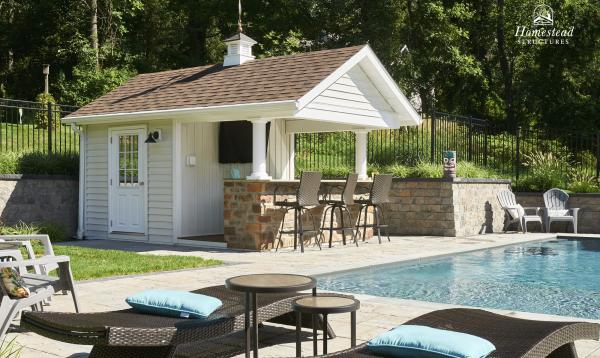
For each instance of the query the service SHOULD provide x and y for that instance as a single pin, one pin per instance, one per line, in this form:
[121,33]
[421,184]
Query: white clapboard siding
[160,185]
[96,182]
[351,95]
[202,184]
[279,165]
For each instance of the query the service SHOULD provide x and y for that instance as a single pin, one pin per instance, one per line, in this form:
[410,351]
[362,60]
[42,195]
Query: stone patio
[376,315]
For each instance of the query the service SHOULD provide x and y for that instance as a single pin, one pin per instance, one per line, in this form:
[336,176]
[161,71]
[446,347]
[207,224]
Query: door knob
[141,183]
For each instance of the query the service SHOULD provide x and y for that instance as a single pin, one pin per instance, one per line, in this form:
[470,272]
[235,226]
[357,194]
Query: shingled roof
[265,80]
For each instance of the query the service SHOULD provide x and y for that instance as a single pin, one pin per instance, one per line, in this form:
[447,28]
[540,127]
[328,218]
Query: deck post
[259,150]
[360,154]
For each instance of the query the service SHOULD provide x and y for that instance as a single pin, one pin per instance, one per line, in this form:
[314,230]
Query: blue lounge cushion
[172,303]
[426,342]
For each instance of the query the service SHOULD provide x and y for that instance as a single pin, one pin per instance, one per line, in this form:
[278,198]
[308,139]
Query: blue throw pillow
[174,303]
[426,342]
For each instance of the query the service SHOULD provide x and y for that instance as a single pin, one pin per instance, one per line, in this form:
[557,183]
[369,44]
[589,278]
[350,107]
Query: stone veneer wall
[39,199]
[589,215]
[252,221]
[438,207]
[434,207]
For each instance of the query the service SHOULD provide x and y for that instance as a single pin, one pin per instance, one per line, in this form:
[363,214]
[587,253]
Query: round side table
[324,305]
[265,283]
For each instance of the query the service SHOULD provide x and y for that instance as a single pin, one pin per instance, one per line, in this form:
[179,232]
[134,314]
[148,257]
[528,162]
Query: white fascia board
[388,121]
[309,126]
[232,112]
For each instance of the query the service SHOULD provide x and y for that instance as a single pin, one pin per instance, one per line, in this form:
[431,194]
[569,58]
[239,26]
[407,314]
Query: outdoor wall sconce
[154,136]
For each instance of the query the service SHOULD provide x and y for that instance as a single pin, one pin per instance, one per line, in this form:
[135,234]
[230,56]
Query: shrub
[56,232]
[41,117]
[9,163]
[425,170]
[544,171]
[470,170]
[39,163]
[582,182]
[398,170]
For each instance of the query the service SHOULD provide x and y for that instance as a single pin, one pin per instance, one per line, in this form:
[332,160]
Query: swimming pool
[559,277]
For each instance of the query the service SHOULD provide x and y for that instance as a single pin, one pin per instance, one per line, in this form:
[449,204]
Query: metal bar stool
[307,195]
[347,198]
[379,195]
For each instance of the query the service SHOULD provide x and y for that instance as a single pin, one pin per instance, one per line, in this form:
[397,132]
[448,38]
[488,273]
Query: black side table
[324,305]
[265,283]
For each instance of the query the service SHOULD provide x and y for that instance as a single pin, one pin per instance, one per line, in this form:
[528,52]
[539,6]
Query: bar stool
[307,195]
[347,198]
[379,195]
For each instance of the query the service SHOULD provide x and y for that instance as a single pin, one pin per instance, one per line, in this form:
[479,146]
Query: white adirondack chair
[41,286]
[25,241]
[557,208]
[516,212]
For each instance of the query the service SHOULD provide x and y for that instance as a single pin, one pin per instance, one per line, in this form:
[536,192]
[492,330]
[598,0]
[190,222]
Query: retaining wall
[39,199]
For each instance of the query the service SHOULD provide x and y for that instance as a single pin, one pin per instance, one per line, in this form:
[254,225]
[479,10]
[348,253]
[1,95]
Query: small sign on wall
[190,160]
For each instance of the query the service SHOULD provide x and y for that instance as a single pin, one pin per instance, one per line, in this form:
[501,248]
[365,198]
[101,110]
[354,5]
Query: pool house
[158,151]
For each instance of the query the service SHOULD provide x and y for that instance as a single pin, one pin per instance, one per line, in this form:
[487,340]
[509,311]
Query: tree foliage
[456,56]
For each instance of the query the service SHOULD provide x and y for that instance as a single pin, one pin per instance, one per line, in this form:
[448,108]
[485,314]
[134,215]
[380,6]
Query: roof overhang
[234,112]
[401,114]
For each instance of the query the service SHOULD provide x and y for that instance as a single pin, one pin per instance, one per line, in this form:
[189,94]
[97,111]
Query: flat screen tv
[235,142]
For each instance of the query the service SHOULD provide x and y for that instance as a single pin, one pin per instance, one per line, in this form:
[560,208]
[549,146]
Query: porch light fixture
[153,136]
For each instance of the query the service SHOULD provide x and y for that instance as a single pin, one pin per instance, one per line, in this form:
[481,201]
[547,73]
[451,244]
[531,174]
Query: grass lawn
[88,263]
[27,137]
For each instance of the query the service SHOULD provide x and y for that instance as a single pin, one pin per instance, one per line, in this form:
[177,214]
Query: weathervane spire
[240,30]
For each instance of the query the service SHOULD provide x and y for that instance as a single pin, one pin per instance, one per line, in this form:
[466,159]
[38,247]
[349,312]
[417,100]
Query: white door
[127,178]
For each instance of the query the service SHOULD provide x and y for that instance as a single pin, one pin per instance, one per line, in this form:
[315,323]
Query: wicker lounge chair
[127,333]
[513,337]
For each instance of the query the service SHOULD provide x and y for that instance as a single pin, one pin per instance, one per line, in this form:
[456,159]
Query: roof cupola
[239,46]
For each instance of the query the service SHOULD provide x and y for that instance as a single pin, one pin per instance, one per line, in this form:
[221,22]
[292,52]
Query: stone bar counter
[428,207]
[252,220]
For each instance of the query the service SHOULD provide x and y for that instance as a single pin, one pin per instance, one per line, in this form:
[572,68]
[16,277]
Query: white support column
[259,150]
[82,181]
[361,153]
[291,172]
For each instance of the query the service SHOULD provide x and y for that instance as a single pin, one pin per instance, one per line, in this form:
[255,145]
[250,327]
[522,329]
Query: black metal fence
[36,127]
[506,150]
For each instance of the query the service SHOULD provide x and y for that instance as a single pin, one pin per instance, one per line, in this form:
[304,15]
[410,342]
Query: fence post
[518,156]
[433,137]
[597,155]
[50,125]
[470,154]
[485,144]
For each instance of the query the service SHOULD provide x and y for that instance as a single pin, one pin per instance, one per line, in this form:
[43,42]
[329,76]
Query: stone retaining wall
[589,215]
[437,207]
[39,199]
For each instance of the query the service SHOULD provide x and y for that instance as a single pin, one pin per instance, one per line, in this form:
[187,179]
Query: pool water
[560,277]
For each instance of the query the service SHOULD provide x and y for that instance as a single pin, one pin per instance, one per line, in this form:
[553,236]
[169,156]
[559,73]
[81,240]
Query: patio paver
[377,314]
